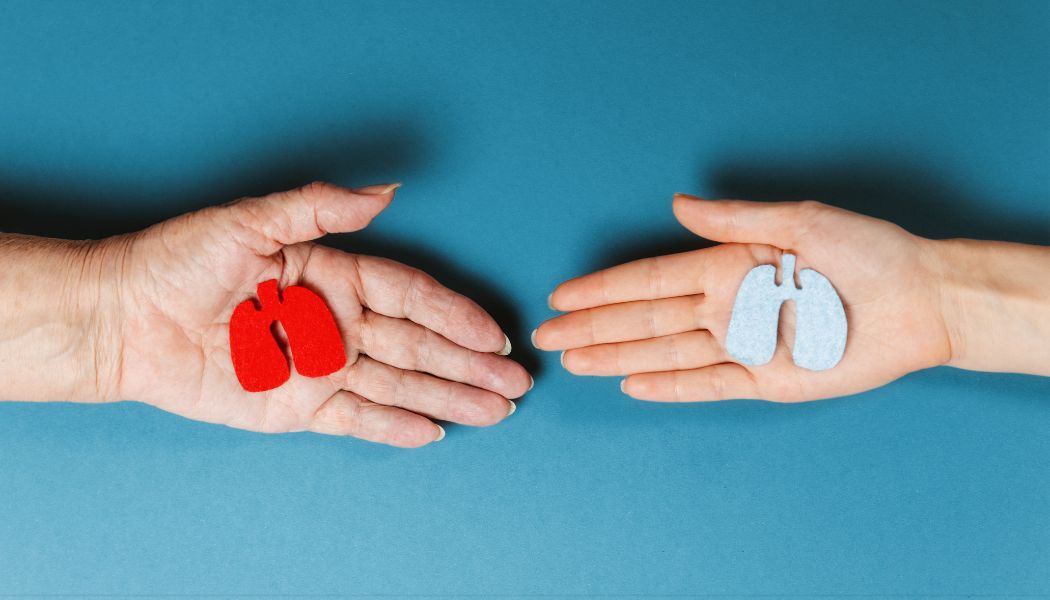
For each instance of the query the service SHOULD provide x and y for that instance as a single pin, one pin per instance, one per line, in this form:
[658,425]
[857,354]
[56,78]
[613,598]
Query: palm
[663,321]
[178,352]
[186,276]
[893,328]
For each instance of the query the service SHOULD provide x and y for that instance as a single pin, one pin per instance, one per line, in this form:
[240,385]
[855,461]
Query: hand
[416,351]
[662,321]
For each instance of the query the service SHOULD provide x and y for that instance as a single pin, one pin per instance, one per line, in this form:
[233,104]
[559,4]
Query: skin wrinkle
[618,357]
[350,372]
[108,369]
[469,374]
[410,290]
[650,318]
[591,325]
[718,384]
[655,282]
[366,332]
[356,282]
[677,380]
[449,311]
[354,414]
[698,306]
[126,248]
[422,357]
[447,400]
[256,240]
[400,376]
[675,359]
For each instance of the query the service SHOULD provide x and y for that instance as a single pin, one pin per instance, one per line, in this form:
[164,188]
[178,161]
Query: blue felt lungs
[820,329]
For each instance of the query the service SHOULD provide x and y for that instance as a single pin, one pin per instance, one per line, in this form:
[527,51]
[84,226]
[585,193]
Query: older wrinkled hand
[416,351]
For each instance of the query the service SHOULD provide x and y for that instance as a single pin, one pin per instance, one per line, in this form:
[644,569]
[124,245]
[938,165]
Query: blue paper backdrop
[537,141]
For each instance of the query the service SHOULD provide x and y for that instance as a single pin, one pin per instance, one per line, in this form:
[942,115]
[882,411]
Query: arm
[911,303]
[146,317]
[997,302]
[57,341]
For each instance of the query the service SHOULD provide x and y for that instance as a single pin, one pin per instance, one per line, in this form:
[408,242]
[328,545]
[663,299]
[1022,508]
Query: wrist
[995,301]
[59,320]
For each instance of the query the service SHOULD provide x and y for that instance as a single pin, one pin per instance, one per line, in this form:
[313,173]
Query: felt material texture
[313,337]
[820,323]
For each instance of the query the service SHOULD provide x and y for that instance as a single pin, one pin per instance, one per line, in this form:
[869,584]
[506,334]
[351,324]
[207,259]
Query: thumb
[272,222]
[780,224]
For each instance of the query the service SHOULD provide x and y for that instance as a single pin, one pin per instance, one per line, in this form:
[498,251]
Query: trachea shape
[317,347]
[820,324]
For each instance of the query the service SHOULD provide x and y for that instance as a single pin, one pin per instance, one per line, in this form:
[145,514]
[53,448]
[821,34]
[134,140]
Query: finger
[645,279]
[624,322]
[399,291]
[689,350]
[782,224]
[426,394]
[267,224]
[725,381]
[346,413]
[407,345]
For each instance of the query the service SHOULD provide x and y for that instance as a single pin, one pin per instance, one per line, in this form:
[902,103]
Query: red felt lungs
[317,347]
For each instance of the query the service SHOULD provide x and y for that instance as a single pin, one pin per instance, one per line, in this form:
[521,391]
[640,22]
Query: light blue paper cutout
[820,323]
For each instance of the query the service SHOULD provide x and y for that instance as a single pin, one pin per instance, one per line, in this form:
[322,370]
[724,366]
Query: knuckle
[717,381]
[810,208]
[340,417]
[315,188]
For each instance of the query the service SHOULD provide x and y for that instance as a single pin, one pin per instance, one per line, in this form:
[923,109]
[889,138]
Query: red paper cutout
[317,347]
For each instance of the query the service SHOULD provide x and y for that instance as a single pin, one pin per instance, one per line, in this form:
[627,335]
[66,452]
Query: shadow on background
[915,198]
[38,205]
[34,204]
[908,195]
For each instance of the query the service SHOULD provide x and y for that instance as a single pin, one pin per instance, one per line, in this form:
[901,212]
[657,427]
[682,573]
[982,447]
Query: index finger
[396,290]
[646,279]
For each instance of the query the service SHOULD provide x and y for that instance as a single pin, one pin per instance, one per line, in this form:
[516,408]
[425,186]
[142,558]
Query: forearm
[996,302]
[58,320]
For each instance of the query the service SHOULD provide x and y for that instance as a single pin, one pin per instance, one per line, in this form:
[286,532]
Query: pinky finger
[346,413]
[724,381]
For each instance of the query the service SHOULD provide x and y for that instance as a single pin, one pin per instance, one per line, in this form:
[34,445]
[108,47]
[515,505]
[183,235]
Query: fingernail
[549,296]
[513,407]
[622,382]
[506,346]
[562,358]
[377,190]
[686,196]
[532,384]
[532,338]
[441,433]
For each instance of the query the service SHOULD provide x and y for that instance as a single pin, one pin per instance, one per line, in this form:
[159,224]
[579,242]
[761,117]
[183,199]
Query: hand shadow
[369,152]
[912,196]
[38,204]
[909,195]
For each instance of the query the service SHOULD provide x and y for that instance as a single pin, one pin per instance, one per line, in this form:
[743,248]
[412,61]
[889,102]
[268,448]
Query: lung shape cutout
[820,329]
[317,347]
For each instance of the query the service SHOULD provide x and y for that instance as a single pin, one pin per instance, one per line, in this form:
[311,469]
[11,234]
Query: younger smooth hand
[662,321]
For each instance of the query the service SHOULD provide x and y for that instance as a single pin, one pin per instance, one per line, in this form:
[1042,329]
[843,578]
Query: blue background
[537,141]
